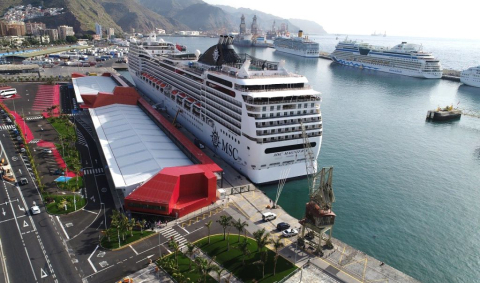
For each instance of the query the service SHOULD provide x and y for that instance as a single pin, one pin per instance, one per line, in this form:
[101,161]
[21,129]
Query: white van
[268,216]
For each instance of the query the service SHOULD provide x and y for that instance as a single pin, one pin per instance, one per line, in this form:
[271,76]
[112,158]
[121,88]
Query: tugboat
[444,114]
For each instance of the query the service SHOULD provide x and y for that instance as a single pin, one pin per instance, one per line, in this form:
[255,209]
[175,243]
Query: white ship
[471,76]
[248,111]
[300,46]
[403,59]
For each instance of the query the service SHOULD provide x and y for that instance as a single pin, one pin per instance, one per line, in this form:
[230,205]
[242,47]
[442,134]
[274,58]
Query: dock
[343,263]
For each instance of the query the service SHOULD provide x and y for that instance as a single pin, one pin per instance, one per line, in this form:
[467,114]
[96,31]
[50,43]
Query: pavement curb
[126,246]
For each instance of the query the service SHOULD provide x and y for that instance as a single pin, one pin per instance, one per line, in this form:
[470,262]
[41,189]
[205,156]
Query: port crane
[319,217]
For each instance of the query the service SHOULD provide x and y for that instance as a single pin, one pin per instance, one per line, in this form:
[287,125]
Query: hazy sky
[428,18]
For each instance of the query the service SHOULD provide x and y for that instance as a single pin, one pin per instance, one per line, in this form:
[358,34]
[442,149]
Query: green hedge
[55,203]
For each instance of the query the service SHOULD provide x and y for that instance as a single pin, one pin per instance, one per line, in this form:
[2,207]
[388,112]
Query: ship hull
[386,69]
[239,152]
[297,52]
[470,81]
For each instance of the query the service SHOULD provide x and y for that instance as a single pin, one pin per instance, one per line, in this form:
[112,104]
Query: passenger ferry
[403,59]
[248,111]
[300,46]
[471,76]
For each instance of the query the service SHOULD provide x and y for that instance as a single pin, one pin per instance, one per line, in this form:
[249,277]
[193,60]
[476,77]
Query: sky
[420,18]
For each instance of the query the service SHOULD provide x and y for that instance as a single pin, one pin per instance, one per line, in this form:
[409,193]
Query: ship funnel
[220,39]
[300,33]
[230,42]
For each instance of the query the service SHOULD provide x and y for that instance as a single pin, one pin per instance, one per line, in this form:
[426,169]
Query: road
[33,245]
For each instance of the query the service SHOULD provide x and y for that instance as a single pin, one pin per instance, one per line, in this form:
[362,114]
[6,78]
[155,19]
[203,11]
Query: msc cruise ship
[300,46]
[249,111]
[403,59]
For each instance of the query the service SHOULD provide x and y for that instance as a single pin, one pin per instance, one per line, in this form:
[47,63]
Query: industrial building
[150,163]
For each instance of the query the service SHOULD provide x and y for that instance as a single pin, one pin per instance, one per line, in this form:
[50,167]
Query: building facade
[51,33]
[34,28]
[64,31]
[98,29]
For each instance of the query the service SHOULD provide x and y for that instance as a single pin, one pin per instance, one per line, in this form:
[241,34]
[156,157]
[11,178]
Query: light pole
[159,246]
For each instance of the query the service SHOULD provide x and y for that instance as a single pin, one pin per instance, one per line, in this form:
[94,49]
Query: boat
[261,41]
[471,76]
[301,46]
[402,59]
[249,111]
[444,114]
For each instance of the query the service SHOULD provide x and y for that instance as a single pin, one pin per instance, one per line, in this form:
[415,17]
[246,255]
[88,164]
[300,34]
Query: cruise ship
[403,59]
[300,46]
[471,76]
[250,112]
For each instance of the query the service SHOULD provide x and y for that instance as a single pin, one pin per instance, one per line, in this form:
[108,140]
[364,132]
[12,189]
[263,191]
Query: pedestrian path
[94,171]
[7,127]
[33,118]
[169,232]
[35,141]
[44,98]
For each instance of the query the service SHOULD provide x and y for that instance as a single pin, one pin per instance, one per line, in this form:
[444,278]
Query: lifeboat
[191,100]
[162,85]
[197,104]
[174,92]
[182,95]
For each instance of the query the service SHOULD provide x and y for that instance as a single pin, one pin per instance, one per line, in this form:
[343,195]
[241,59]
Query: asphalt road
[33,245]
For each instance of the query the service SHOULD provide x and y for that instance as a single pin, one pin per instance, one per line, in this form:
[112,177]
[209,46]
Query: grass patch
[232,259]
[56,203]
[112,234]
[67,138]
[71,185]
[184,269]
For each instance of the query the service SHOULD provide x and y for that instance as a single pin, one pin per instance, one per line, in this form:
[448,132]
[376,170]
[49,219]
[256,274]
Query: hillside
[213,18]
[168,8]
[309,27]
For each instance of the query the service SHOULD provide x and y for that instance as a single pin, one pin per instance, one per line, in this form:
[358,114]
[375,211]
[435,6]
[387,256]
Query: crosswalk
[93,171]
[33,118]
[7,127]
[81,139]
[170,232]
[35,141]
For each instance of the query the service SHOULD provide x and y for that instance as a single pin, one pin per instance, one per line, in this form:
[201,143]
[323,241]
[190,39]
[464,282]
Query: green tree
[262,238]
[204,267]
[71,39]
[225,222]
[141,224]
[240,226]
[191,250]
[218,271]
[277,245]
[175,246]
[244,249]
[208,225]
[130,225]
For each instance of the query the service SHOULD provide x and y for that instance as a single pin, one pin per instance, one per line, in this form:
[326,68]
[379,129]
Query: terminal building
[149,162]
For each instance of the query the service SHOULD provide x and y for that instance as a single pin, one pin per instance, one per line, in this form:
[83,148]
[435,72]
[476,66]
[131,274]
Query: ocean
[406,190]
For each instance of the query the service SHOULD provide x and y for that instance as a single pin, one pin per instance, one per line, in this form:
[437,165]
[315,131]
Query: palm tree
[277,245]
[225,222]
[191,249]
[219,270]
[240,226]
[262,238]
[180,277]
[262,261]
[141,224]
[130,225]
[175,246]
[208,225]
[204,266]
[243,248]
[123,225]
[228,278]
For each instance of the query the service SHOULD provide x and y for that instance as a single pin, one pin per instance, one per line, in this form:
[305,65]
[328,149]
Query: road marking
[4,266]
[21,208]
[43,273]
[89,261]
[25,224]
[197,229]
[133,249]
[145,258]
[184,229]
[12,219]
[3,211]
[63,229]
[91,211]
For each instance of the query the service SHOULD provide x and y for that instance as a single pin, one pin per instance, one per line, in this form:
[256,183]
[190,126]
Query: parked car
[23,181]
[289,233]
[268,216]
[35,209]
[282,226]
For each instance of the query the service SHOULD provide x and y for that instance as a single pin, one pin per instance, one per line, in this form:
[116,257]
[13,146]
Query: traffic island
[63,204]
[246,261]
[182,267]
[114,239]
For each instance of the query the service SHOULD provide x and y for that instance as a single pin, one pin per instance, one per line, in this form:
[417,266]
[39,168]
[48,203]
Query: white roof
[135,148]
[92,85]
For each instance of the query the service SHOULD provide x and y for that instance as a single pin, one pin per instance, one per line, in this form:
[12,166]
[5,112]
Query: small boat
[444,114]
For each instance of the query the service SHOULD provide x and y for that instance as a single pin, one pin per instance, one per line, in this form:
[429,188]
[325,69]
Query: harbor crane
[319,217]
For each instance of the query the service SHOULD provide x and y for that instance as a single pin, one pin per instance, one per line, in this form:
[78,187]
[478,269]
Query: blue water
[412,184]
[62,179]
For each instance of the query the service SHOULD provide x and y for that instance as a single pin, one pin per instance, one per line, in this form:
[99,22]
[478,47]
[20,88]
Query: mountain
[168,8]
[308,27]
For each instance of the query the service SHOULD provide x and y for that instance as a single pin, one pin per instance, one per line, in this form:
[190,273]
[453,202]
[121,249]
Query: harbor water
[407,190]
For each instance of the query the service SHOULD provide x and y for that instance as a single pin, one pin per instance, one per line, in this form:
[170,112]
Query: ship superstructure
[403,59]
[300,46]
[249,111]
[471,76]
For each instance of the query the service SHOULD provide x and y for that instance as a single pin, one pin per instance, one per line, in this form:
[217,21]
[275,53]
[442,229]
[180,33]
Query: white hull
[239,152]
[302,53]
[391,70]
[470,81]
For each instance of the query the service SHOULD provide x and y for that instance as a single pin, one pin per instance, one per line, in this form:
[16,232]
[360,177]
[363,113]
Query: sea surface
[407,191]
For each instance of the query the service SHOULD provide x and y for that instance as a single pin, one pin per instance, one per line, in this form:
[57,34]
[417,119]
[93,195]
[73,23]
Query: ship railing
[259,116]
[224,103]
[256,74]
[283,123]
[296,136]
[286,131]
[224,96]
[223,116]
[246,90]
[256,102]
[226,111]
[221,121]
